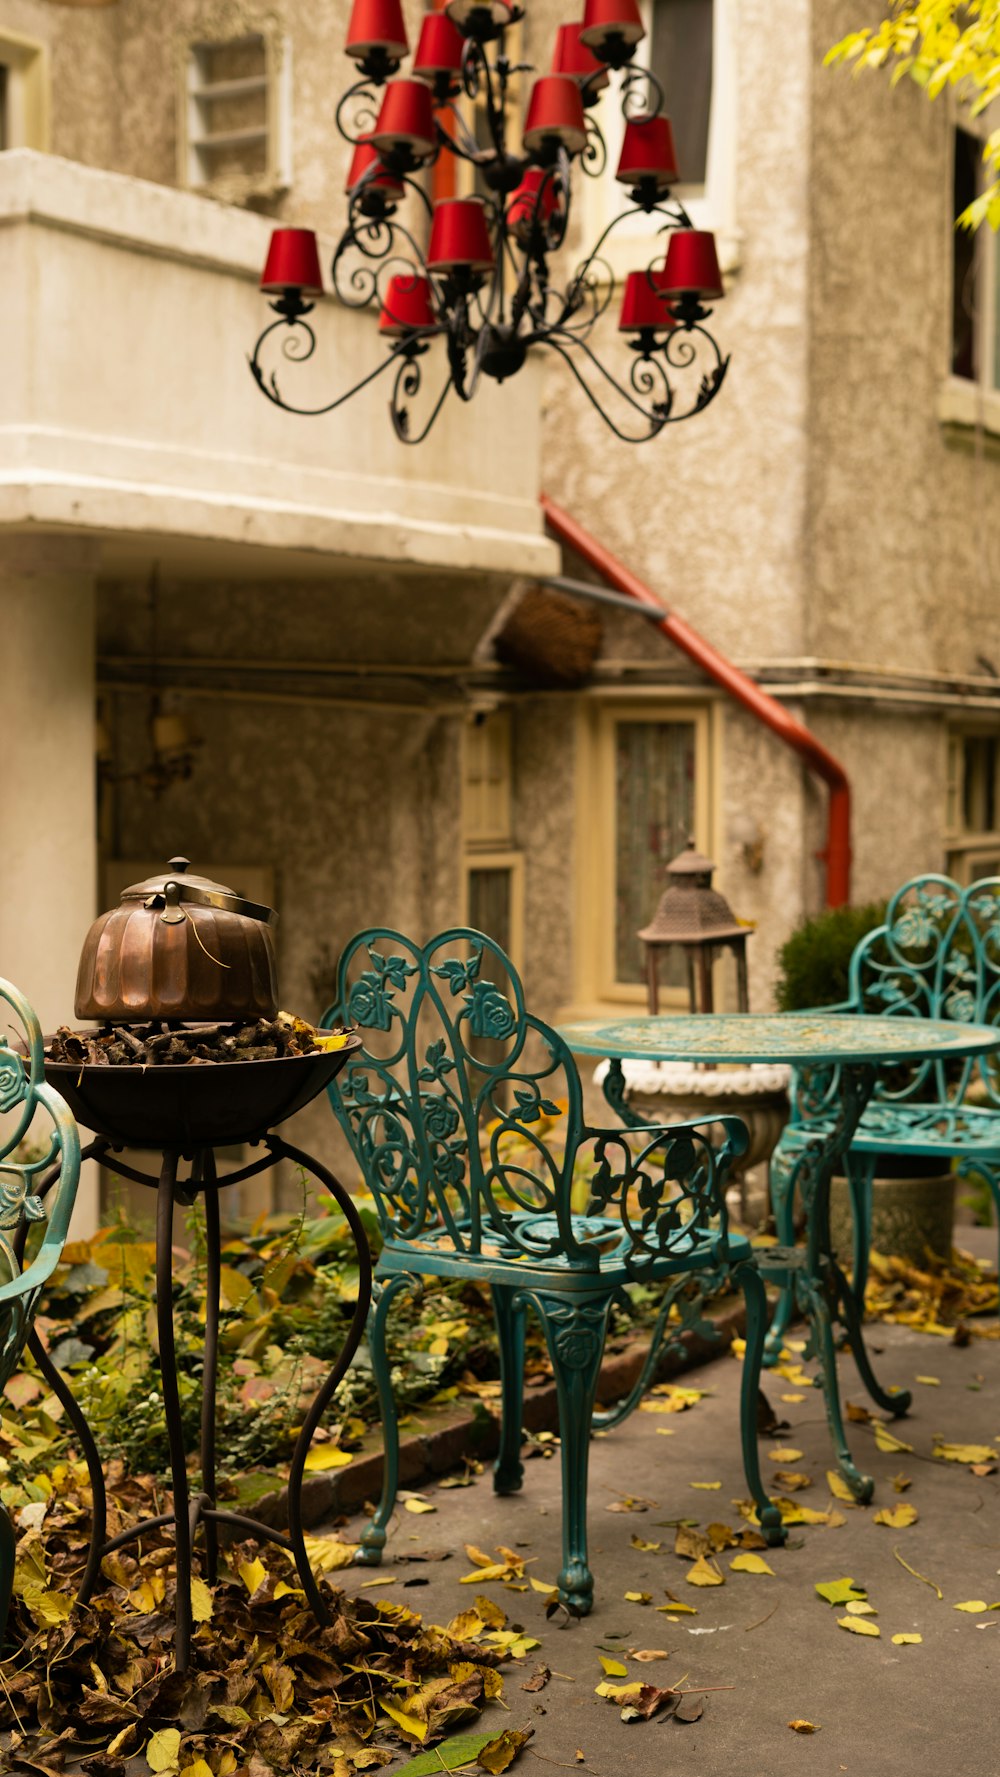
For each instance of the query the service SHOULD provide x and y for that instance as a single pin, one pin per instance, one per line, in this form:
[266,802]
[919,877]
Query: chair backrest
[936,956]
[464,1112]
[39,1172]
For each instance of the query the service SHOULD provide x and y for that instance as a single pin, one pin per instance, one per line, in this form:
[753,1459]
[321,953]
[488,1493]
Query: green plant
[813,963]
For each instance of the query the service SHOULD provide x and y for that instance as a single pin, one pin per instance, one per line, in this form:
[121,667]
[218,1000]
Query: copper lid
[175,886]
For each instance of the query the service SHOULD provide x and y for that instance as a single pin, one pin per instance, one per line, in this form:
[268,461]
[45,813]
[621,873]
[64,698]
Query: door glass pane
[654,794]
[489,904]
[681,59]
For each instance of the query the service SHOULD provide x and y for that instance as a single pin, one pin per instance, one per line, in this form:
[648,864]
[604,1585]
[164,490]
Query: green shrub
[814,961]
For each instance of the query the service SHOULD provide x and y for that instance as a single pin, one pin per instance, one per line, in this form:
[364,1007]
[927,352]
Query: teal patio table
[838,1057]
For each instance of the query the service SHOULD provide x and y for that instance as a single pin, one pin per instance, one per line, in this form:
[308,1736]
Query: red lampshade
[533,204]
[407,306]
[641,307]
[648,152]
[439,50]
[555,113]
[572,57]
[377,25]
[604,19]
[292,263]
[692,265]
[460,237]
[362,159]
[463,13]
[405,119]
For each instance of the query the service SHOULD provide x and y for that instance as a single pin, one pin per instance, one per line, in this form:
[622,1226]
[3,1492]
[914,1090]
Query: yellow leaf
[326,1456]
[201,1601]
[707,1486]
[901,1483]
[792,1480]
[612,1668]
[638,1543]
[785,1455]
[497,1571]
[891,1445]
[46,1607]
[859,1625]
[638,1597]
[546,1586]
[410,1724]
[163,1749]
[793,1401]
[839,1591]
[501,1752]
[677,1610]
[928,1382]
[253,1574]
[478,1557]
[618,1693]
[327,1553]
[839,1488]
[704,1573]
[665,1431]
[859,1607]
[973,1605]
[420,1505]
[467,1625]
[906,1640]
[197,1768]
[750,1564]
[897,1517]
[963,1452]
[803,1727]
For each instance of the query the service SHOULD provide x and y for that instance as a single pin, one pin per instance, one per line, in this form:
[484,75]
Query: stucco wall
[902,519]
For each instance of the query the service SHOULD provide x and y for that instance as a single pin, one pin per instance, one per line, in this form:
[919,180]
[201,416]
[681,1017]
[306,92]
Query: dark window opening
[681,60]
[964,353]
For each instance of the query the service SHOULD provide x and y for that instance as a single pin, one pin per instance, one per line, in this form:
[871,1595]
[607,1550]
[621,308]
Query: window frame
[502,858]
[193,170]
[968,848]
[973,401]
[712,205]
[29,87]
[596,989]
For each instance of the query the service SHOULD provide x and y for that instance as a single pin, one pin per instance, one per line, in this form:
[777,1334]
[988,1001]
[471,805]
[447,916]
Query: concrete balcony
[130,414]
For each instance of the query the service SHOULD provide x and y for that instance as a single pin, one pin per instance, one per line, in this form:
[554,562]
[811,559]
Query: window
[645,780]
[235,135]
[975,324]
[973,816]
[494,870]
[689,47]
[24,92]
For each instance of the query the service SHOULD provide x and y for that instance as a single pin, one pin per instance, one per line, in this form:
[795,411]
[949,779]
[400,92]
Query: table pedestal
[195,1511]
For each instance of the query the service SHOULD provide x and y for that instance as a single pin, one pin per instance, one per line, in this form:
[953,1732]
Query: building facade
[287,627]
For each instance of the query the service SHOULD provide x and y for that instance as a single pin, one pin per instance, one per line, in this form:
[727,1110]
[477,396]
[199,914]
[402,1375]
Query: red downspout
[837,852]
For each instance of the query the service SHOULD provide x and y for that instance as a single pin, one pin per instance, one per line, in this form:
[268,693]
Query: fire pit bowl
[194,1107]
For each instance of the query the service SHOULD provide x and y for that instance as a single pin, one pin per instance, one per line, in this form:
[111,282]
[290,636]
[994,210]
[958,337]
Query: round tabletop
[799,1038]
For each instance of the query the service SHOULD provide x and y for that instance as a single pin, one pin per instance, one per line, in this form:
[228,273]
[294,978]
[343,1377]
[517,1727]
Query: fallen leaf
[896,1517]
[638,1597]
[962,1452]
[929,1382]
[650,1653]
[704,1573]
[901,1483]
[545,1586]
[973,1605]
[410,1724]
[792,1480]
[857,1415]
[859,1607]
[858,1625]
[839,1488]
[538,1680]
[326,1456]
[749,1564]
[201,1600]
[839,1591]
[706,1486]
[637,1543]
[163,1749]
[803,1727]
[612,1668]
[906,1640]
[982,1468]
[887,1442]
[497,1755]
[785,1455]
[793,1399]
[420,1505]
[450,1755]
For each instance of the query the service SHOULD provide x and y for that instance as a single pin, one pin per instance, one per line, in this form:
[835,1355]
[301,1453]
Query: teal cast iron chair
[38,1136]
[466,1117]
[936,956]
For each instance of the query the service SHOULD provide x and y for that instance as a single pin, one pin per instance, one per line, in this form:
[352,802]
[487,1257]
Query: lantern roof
[690,910]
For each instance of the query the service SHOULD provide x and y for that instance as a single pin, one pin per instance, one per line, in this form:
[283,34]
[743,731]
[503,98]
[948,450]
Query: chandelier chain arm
[643,382]
[654,422]
[366,118]
[407,382]
[269,386]
[466,148]
[639,87]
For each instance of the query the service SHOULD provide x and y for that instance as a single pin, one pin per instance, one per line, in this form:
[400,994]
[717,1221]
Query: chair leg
[383,1295]
[755,1297]
[781,1177]
[508,1470]
[575,1331]
[860,1173]
[8,1544]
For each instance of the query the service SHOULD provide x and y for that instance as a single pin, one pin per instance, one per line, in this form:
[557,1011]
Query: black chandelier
[479,275]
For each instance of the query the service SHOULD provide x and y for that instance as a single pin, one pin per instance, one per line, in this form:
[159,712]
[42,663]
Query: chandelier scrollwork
[476,272]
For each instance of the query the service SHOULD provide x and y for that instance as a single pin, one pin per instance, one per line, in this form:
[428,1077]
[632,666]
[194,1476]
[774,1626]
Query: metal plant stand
[194,1510]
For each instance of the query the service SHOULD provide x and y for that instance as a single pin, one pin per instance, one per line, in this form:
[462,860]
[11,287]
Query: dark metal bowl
[194,1107]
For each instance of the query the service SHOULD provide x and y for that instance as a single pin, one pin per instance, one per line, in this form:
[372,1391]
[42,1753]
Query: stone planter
[909,1216]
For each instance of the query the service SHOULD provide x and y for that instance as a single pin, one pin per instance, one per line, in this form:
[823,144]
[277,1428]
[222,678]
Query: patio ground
[770,1643]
